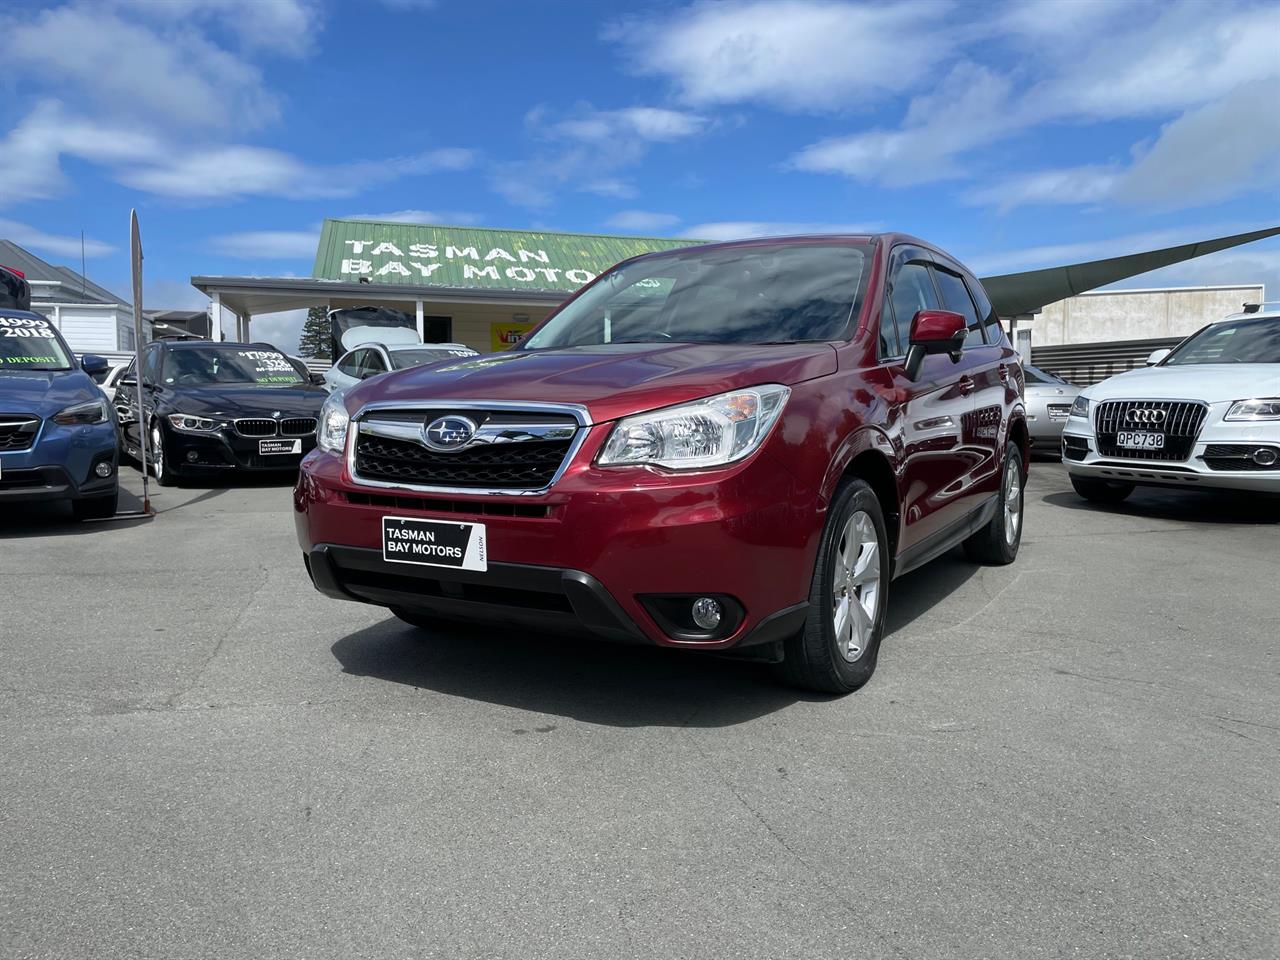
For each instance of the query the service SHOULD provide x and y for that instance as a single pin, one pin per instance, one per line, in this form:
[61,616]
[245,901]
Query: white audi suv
[1206,414]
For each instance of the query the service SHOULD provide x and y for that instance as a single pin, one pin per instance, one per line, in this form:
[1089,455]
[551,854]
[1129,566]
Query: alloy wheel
[1012,501]
[855,586]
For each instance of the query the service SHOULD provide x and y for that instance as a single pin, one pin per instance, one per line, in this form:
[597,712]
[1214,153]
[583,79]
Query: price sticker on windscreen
[31,328]
[434,543]
[270,367]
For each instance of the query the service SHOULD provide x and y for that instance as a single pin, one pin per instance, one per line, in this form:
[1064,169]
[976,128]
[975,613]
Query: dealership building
[481,287]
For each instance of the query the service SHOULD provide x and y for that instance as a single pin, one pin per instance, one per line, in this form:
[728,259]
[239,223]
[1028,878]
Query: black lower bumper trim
[543,598]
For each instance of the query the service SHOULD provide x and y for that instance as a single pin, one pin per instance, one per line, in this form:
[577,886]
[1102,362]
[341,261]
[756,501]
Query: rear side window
[372,364]
[912,291]
[955,297]
[350,364]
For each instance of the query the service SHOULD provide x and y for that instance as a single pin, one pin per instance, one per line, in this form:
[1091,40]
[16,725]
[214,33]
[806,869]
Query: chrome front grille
[1178,421]
[18,431]
[518,450]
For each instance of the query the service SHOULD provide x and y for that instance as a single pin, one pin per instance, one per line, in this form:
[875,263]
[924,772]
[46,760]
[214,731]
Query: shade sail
[1015,293]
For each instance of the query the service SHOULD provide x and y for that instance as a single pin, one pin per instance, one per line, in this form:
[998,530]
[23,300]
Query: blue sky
[1014,134]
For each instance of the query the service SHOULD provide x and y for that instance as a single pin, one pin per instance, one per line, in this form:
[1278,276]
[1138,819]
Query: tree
[315,339]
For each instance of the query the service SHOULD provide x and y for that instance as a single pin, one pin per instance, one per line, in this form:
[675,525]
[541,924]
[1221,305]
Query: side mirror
[1157,356]
[317,378]
[935,331]
[93,364]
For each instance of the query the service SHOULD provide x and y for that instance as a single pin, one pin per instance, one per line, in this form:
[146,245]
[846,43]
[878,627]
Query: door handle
[966,385]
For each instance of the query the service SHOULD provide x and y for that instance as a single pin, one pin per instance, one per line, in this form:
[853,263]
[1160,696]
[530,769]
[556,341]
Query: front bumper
[60,464]
[227,450]
[621,535]
[1205,467]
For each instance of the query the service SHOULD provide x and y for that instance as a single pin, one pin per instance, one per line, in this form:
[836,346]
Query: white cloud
[642,220]
[742,229]
[455,217]
[969,109]
[283,26]
[587,149]
[268,244]
[130,69]
[53,243]
[238,171]
[153,92]
[1209,70]
[282,330]
[1216,151]
[797,54]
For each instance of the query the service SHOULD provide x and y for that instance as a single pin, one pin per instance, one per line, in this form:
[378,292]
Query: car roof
[1268,311]
[197,344]
[397,347]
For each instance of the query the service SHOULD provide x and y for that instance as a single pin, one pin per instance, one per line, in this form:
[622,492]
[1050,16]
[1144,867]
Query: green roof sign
[471,257]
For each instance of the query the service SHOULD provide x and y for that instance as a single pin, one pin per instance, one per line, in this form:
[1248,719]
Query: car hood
[44,393]
[244,401]
[1210,382]
[1051,391]
[610,380]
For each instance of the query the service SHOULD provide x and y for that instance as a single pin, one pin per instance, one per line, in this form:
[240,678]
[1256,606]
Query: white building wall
[87,327]
[1112,315]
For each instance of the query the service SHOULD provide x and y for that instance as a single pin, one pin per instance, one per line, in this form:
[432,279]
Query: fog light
[103,469]
[192,456]
[706,613]
[1264,456]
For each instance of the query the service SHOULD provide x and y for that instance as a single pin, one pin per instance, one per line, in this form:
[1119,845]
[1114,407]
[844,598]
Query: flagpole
[135,262]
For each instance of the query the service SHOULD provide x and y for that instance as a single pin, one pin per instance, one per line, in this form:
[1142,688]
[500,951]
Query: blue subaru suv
[58,433]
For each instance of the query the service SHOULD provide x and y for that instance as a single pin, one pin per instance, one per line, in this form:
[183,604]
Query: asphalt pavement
[1074,756]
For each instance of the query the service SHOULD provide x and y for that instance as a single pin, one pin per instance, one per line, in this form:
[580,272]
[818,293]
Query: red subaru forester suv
[730,446]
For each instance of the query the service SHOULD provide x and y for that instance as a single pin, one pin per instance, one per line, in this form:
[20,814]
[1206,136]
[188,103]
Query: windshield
[31,343]
[201,366]
[1036,375]
[754,294]
[1234,341]
[403,359]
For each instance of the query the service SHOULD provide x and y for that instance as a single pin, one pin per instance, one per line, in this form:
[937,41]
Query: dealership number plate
[1058,411]
[435,543]
[1140,440]
[270,447]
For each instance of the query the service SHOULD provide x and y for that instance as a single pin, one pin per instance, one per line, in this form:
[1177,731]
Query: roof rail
[1255,307]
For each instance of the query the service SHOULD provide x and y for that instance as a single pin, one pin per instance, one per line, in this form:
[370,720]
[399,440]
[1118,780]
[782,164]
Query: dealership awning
[1021,293]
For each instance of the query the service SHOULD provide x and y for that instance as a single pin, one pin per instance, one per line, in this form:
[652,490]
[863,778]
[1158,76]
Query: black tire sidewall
[824,668]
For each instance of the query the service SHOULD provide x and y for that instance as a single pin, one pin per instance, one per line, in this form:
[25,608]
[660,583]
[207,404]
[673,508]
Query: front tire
[998,542]
[159,462]
[1101,491]
[837,649]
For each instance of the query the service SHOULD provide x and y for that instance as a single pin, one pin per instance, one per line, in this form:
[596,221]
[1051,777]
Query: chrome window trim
[575,410]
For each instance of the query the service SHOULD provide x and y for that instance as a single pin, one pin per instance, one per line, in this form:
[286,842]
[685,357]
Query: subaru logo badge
[447,434]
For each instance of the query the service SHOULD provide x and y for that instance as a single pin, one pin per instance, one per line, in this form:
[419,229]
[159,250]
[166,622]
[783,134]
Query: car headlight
[84,414]
[1079,407]
[190,423]
[1265,408]
[331,435]
[705,433]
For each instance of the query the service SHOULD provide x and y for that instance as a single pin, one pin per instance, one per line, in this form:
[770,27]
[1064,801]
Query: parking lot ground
[1074,756]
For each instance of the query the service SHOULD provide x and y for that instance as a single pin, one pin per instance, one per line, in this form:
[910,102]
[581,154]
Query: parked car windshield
[403,359]
[203,366]
[30,343]
[1036,375]
[1256,340]
[751,294]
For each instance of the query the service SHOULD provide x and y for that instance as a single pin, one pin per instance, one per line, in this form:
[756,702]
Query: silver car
[1049,400]
[369,359]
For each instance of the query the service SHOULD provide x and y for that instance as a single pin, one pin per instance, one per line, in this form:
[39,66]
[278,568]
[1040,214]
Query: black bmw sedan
[210,407]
